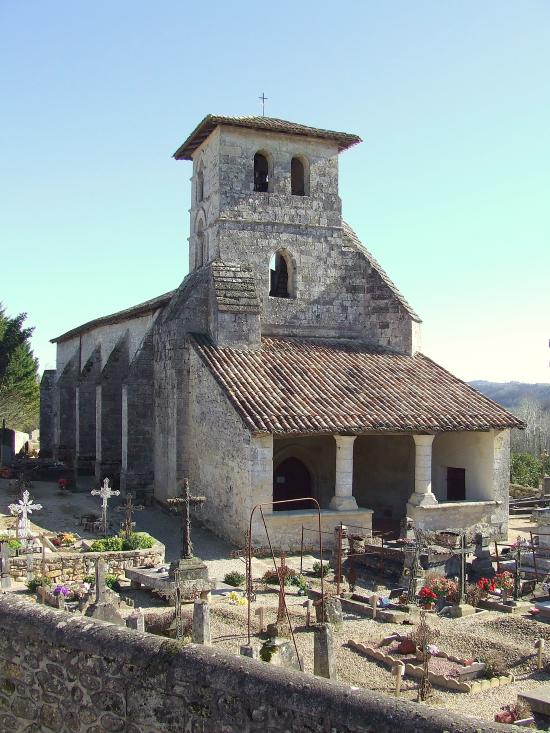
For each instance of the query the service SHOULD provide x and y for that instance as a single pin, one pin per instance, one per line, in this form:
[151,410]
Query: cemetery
[429,618]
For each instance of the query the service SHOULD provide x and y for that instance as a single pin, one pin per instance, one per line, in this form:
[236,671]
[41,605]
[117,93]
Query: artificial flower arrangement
[439,588]
[236,599]
[64,539]
[503,582]
[72,591]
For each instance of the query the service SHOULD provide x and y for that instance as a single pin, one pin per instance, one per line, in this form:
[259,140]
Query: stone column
[343,499]
[423,495]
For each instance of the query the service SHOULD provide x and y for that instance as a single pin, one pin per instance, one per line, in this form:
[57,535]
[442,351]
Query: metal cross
[462,551]
[105,492]
[22,509]
[420,544]
[181,504]
[263,100]
[129,508]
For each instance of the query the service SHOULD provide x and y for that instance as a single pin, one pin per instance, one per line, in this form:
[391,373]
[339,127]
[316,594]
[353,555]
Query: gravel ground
[511,638]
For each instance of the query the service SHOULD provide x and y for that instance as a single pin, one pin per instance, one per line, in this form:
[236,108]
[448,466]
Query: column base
[343,503]
[422,499]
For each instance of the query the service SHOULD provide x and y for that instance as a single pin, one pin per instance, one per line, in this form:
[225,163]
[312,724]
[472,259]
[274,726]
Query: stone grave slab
[539,702]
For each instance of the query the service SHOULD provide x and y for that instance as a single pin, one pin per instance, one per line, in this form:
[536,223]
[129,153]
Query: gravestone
[201,623]
[482,567]
[332,612]
[136,620]
[281,653]
[5,560]
[324,661]
[104,607]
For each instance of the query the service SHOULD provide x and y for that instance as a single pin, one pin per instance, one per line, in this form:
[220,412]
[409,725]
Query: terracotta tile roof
[351,239]
[210,122]
[304,386]
[134,312]
[234,287]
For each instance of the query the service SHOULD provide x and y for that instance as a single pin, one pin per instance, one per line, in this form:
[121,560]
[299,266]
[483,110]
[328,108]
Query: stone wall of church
[109,413]
[218,448]
[137,472]
[186,313]
[86,413]
[47,396]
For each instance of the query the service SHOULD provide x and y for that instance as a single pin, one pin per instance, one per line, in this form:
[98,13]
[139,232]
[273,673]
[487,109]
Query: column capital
[342,440]
[423,439]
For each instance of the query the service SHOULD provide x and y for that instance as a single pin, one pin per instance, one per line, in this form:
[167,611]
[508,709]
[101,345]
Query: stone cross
[105,492]
[22,509]
[100,587]
[129,508]
[182,504]
[5,559]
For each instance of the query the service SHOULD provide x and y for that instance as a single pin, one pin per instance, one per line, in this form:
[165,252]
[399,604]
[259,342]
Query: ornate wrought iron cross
[105,492]
[22,509]
[129,508]
[182,504]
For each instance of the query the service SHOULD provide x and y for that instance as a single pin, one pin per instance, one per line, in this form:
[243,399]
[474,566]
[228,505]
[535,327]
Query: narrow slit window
[278,276]
[261,173]
[297,177]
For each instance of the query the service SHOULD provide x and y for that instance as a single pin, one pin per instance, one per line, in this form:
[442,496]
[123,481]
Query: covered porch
[372,481]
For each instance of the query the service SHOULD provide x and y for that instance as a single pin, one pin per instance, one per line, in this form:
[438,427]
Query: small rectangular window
[456,484]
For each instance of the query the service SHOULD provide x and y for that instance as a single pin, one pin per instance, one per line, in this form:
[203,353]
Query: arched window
[297,177]
[200,251]
[279,276]
[261,173]
[200,185]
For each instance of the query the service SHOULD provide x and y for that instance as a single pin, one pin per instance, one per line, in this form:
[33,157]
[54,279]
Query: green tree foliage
[525,469]
[19,387]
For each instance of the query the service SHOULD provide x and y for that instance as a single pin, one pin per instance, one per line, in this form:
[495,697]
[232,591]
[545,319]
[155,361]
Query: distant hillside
[512,394]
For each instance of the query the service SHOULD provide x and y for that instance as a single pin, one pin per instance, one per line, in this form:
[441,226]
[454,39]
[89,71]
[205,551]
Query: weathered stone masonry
[70,674]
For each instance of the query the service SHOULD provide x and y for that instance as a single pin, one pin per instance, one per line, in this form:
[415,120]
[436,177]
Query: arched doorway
[291,480]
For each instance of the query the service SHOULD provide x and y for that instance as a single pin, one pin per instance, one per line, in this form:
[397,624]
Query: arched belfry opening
[261,173]
[280,276]
[200,250]
[298,177]
[291,480]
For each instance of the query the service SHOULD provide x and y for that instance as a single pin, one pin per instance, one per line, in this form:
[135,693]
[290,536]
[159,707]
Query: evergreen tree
[19,388]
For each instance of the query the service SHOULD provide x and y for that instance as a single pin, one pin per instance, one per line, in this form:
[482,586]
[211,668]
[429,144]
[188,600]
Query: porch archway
[291,480]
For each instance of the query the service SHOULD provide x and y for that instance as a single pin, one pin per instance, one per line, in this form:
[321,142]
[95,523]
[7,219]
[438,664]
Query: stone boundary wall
[75,565]
[70,674]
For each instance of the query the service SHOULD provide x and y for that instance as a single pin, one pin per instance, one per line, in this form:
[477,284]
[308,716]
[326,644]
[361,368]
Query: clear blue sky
[450,189]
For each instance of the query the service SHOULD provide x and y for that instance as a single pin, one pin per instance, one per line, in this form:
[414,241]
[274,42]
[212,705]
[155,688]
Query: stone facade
[137,382]
[69,674]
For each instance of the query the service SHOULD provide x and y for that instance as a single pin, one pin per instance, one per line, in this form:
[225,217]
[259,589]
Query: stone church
[286,365]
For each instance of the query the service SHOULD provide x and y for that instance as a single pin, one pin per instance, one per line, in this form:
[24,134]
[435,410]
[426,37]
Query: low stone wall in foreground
[71,674]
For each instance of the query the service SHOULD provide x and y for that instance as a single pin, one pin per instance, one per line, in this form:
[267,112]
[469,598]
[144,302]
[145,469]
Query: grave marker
[201,623]
[324,662]
[105,492]
[5,560]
